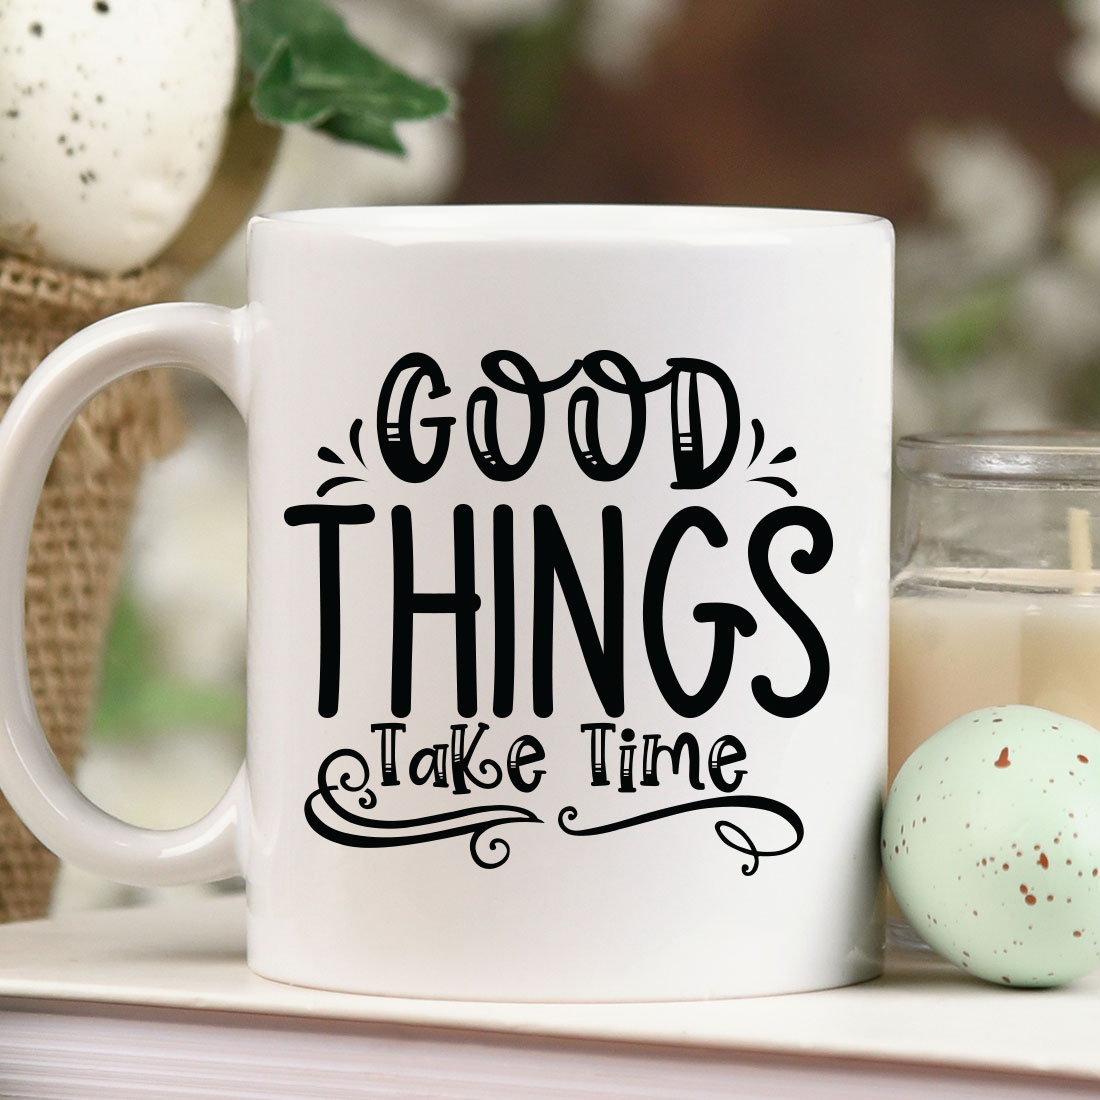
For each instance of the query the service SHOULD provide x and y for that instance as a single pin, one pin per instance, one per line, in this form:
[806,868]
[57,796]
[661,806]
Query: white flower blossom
[616,35]
[1085,13]
[1081,64]
[987,192]
[1054,309]
[481,16]
[996,237]
[1081,69]
[1081,229]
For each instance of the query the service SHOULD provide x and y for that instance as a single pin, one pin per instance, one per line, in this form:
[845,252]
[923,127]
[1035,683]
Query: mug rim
[615,222]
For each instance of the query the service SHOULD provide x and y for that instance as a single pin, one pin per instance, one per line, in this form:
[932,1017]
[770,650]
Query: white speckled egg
[112,114]
[991,844]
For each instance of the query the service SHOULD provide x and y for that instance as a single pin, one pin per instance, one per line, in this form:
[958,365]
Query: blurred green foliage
[532,63]
[957,337]
[137,697]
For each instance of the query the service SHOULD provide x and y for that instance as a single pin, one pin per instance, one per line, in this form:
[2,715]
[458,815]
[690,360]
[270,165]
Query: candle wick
[1080,549]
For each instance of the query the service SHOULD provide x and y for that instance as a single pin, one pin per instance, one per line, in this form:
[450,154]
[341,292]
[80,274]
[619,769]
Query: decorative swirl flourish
[367,799]
[328,818]
[733,836]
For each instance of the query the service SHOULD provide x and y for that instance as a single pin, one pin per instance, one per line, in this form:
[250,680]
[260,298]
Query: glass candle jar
[995,598]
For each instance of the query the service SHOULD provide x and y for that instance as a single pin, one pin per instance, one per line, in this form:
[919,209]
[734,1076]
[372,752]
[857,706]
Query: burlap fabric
[82,520]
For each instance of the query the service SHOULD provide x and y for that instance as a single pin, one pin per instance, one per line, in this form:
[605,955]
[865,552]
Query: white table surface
[191,956]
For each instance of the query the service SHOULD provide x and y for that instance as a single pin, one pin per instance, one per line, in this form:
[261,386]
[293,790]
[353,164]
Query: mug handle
[211,340]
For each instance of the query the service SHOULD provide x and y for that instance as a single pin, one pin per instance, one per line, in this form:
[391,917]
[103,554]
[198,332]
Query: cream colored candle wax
[955,649]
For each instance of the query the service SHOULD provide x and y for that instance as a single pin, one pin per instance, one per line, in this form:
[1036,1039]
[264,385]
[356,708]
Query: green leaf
[308,70]
[265,22]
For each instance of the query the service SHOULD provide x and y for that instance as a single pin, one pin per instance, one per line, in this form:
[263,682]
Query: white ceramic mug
[567,599]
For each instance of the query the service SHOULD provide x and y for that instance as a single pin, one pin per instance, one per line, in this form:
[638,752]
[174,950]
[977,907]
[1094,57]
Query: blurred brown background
[753,102]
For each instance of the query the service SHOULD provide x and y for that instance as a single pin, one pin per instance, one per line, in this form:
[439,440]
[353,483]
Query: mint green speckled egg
[991,844]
